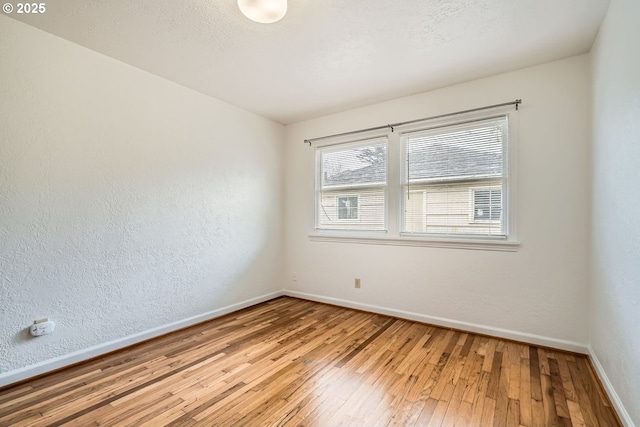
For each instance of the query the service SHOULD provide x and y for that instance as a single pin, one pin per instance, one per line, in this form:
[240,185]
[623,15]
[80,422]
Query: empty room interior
[320,213]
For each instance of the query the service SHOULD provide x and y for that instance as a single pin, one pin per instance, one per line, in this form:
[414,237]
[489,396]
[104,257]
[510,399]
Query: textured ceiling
[325,56]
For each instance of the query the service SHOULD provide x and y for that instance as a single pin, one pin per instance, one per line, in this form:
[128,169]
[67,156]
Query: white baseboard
[449,323]
[611,392]
[11,377]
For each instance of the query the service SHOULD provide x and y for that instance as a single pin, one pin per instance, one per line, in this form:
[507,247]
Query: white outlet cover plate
[43,328]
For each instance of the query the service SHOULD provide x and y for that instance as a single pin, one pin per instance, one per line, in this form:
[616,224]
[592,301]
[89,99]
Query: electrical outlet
[294,276]
[357,283]
[42,327]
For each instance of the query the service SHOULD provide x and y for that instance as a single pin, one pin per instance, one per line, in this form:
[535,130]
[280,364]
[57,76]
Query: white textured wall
[542,289]
[127,202]
[615,260]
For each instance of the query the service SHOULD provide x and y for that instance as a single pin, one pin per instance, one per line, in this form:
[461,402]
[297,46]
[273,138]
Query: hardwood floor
[290,362]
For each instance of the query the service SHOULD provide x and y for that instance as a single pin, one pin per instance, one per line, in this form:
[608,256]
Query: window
[444,165]
[447,184]
[348,207]
[351,186]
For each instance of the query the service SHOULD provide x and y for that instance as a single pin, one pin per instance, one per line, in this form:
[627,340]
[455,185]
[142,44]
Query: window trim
[394,205]
[381,238]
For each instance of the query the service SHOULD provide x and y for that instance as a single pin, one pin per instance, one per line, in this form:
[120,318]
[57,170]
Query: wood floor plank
[488,411]
[427,412]
[584,400]
[562,408]
[291,362]
[548,402]
[526,416]
[479,398]
[502,395]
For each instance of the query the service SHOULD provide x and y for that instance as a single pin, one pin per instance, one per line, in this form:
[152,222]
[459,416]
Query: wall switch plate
[42,327]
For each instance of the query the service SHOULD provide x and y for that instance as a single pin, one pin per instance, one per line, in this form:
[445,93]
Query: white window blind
[455,179]
[351,186]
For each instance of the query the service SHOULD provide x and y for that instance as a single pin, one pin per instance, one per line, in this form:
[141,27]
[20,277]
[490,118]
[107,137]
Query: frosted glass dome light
[263,11]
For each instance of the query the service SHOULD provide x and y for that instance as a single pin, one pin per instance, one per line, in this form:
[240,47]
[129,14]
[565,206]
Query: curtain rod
[392,125]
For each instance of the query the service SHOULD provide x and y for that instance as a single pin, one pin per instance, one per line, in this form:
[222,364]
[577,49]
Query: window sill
[473,244]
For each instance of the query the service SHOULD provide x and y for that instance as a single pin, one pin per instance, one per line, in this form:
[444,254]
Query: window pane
[460,152]
[355,166]
[445,168]
[351,188]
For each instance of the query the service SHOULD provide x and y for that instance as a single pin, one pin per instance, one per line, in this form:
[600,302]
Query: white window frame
[394,205]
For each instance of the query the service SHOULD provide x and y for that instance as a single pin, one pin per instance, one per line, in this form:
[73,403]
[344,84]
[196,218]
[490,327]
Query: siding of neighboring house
[370,215]
[446,209]
[435,209]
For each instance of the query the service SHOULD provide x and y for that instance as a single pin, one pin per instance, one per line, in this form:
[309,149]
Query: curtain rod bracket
[306,141]
[390,127]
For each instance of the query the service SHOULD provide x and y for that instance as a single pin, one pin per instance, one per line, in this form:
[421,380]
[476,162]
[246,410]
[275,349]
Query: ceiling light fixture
[263,11]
